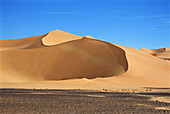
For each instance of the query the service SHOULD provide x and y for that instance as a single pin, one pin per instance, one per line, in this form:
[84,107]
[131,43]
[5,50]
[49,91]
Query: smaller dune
[162,53]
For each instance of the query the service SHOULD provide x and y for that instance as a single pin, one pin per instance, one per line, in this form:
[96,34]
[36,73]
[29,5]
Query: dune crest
[88,36]
[58,37]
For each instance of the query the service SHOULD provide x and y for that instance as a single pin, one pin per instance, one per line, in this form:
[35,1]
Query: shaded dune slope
[81,58]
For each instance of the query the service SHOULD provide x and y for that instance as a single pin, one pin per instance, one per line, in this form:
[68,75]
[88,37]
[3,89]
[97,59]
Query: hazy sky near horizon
[132,23]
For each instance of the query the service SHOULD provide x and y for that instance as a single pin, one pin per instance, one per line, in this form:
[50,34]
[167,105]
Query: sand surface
[62,60]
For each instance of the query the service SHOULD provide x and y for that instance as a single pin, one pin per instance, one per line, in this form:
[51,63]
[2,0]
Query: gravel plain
[33,101]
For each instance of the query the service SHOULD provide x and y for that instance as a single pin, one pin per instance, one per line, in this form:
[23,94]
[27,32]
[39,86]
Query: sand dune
[76,59]
[72,61]
[162,53]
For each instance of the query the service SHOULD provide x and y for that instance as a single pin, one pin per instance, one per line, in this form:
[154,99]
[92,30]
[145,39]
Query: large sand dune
[63,60]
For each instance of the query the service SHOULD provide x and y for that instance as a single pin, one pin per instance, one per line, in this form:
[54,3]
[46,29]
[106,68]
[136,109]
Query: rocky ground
[14,101]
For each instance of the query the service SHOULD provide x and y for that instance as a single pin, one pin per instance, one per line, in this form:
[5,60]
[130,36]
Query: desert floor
[83,101]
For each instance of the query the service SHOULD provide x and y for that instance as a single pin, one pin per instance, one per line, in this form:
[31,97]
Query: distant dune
[162,53]
[62,60]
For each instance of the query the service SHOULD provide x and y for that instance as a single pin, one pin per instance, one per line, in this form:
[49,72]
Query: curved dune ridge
[73,61]
[49,58]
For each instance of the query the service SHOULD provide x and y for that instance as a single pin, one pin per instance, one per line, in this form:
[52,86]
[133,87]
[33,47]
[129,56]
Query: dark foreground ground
[30,101]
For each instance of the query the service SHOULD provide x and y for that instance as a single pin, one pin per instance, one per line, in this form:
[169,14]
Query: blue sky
[132,23]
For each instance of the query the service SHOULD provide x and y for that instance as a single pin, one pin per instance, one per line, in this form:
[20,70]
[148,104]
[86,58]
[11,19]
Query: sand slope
[85,61]
[14,44]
